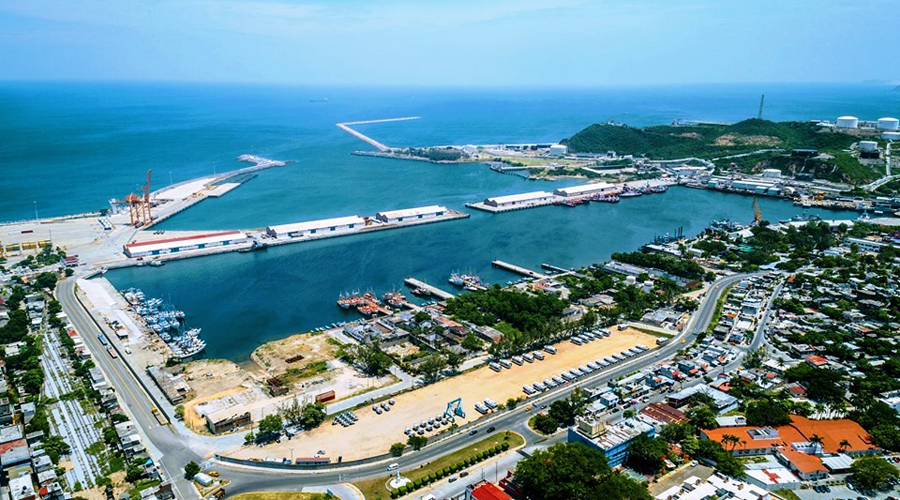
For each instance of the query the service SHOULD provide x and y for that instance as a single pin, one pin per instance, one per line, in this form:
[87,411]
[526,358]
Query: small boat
[254,247]
[456,279]
[157,263]
[421,292]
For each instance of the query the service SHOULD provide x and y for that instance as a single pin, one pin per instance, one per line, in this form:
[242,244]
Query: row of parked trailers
[529,357]
[586,337]
[486,406]
[581,371]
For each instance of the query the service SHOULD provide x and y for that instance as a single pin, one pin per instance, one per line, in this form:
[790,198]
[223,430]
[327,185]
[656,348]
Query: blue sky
[451,43]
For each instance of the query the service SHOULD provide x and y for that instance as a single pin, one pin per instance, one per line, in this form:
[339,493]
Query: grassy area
[277,495]
[373,489]
[655,333]
[788,494]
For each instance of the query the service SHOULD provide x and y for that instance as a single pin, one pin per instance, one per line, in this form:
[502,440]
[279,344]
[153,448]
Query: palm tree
[844,444]
[817,439]
[730,439]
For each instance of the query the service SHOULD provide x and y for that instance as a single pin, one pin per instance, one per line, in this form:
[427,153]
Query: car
[491,429]
[826,488]
[452,479]
[473,432]
[213,473]
[850,485]
[543,407]
[464,473]
[694,463]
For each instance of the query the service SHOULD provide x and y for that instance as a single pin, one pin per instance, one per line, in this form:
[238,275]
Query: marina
[425,287]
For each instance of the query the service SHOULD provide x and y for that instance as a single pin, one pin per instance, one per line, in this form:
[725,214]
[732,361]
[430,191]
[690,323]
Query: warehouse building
[519,199]
[410,214]
[585,190]
[315,227]
[184,243]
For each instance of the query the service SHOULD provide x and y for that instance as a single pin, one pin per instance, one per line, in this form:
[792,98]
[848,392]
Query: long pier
[433,290]
[345,126]
[517,269]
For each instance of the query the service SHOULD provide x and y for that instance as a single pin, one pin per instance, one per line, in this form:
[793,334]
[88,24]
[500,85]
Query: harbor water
[69,147]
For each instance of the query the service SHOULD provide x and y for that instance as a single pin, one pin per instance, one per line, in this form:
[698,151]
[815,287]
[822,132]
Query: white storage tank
[868,146]
[888,124]
[891,136]
[847,122]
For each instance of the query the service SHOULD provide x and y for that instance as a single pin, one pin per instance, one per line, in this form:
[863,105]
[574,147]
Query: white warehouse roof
[512,198]
[199,239]
[586,188]
[412,212]
[298,227]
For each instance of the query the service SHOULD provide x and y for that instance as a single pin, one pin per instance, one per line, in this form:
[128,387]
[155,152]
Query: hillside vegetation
[705,141]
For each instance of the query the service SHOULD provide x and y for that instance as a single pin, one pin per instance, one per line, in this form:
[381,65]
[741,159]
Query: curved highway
[172,449]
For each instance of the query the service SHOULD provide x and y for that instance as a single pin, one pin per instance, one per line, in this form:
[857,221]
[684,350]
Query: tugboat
[256,245]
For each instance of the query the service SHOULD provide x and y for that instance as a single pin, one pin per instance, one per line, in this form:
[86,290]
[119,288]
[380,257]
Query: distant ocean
[70,147]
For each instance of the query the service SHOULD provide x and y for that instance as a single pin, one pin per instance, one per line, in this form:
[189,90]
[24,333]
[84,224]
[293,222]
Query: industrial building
[184,243]
[557,150]
[771,173]
[756,187]
[519,199]
[409,214]
[888,123]
[585,190]
[315,227]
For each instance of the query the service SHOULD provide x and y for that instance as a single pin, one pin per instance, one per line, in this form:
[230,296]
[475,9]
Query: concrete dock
[517,269]
[379,146]
[433,290]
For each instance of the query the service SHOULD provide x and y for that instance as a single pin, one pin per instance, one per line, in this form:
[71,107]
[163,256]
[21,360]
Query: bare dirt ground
[281,357]
[211,376]
[404,349]
[373,434]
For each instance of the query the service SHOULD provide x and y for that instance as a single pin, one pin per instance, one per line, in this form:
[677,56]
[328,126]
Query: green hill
[705,141]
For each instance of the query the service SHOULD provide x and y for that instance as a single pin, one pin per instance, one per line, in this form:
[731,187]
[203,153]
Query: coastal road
[173,452]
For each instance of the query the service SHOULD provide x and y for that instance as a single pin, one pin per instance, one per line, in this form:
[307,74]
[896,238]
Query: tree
[765,412]
[397,449]
[191,469]
[55,446]
[417,442]
[270,425]
[46,280]
[134,472]
[421,317]
[646,454]
[432,367]
[454,359]
[312,415]
[573,471]
[511,403]
[843,445]
[817,439]
[702,417]
[872,472]
[545,424]
[179,412]
[472,343]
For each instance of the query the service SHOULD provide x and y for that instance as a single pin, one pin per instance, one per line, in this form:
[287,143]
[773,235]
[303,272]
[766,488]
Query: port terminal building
[316,227]
[410,214]
[586,189]
[519,199]
[185,243]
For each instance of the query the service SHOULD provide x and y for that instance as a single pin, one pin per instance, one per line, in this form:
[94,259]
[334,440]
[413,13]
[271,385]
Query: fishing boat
[421,292]
[629,192]
[394,298]
[256,245]
[456,279]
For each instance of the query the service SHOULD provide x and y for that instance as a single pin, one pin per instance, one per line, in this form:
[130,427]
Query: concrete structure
[723,402]
[771,476]
[716,486]
[519,199]
[866,245]
[868,146]
[409,214]
[612,440]
[585,190]
[847,122]
[315,227]
[184,243]
[755,186]
[771,173]
[888,123]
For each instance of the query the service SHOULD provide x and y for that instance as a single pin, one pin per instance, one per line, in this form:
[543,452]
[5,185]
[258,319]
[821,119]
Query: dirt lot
[211,376]
[354,442]
[295,354]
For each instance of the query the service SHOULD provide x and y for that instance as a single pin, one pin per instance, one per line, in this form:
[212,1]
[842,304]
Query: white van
[393,466]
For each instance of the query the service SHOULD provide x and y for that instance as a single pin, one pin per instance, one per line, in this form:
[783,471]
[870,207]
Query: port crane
[138,206]
[757,212]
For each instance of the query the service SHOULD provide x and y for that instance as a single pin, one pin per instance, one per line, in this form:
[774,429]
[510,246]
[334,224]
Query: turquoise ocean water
[70,147]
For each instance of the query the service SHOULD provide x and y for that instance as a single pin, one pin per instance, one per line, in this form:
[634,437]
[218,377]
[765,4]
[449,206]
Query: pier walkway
[379,146]
[433,290]
[517,269]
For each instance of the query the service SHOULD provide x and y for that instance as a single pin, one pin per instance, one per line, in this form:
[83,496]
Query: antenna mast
[762,100]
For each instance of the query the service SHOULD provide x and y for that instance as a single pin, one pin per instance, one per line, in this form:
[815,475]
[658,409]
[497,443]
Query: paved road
[173,453]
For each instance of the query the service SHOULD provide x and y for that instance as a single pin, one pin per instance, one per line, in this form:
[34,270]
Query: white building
[771,476]
[184,243]
[519,199]
[410,214]
[771,173]
[757,187]
[888,123]
[585,190]
[559,149]
[695,488]
[868,146]
[316,227]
